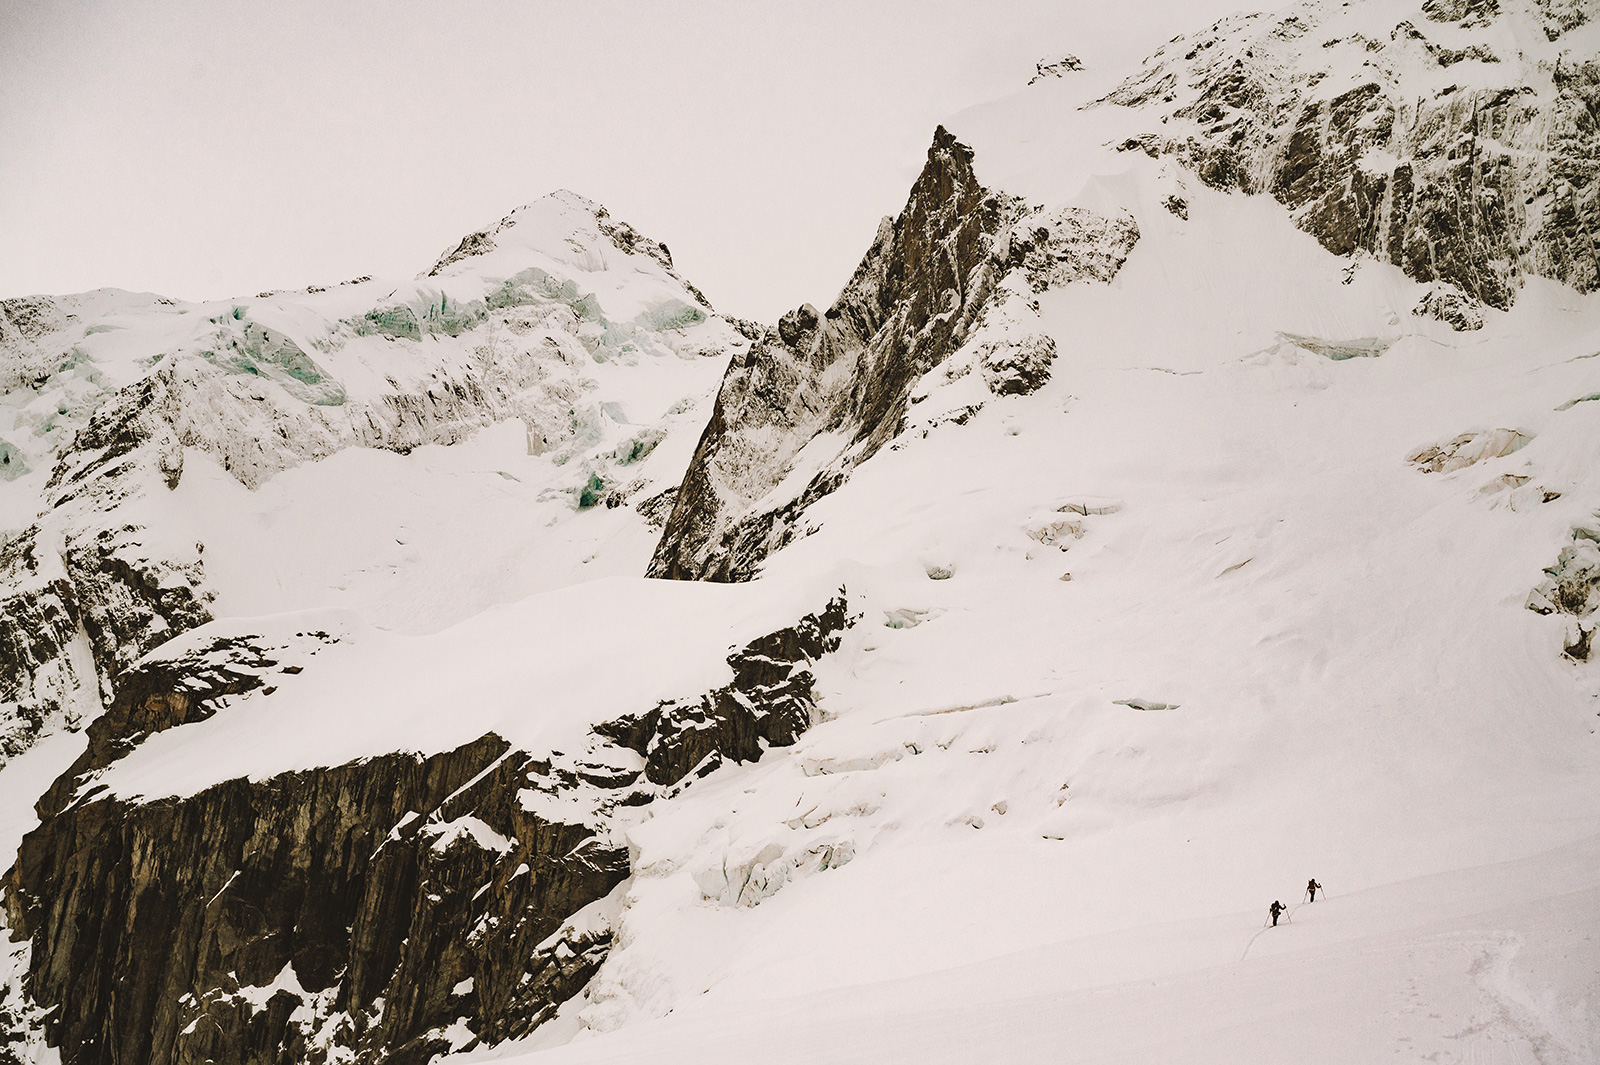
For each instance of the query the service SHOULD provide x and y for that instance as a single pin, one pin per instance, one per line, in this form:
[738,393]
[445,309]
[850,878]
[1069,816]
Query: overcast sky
[213,148]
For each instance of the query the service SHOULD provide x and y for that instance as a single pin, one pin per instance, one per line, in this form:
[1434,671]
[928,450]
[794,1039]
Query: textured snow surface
[1495,963]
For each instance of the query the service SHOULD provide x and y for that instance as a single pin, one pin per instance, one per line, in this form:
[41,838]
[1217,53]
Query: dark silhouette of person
[1312,887]
[1275,909]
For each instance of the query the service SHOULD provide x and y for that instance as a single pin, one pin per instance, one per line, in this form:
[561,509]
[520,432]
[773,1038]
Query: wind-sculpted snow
[1455,140]
[1466,449]
[572,327]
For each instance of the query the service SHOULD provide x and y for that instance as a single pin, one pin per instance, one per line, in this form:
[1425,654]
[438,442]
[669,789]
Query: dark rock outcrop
[1055,67]
[1474,188]
[768,703]
[177,688]
[386,910]
[1019,366]
[1448,305]
[909,304]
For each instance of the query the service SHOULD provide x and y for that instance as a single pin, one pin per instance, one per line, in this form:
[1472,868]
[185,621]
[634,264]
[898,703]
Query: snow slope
[1357,693]
[1486,964]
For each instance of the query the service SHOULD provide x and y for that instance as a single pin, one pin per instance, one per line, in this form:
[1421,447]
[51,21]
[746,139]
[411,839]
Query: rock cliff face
[382,911]
[110,391]
[825,391]
[1460,143]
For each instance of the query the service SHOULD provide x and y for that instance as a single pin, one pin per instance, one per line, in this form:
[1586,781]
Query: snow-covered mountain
[170,462]
[1192,492]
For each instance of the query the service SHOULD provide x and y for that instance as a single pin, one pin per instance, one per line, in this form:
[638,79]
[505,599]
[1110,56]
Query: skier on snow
[1312,887]
[1275,909]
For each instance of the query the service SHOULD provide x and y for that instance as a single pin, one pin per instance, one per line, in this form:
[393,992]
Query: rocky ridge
[825,391]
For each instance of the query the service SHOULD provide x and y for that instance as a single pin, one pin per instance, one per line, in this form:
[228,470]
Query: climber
[1275,909]
[1312,887]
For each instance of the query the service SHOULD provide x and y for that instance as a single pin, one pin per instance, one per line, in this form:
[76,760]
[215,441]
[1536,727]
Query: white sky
[214,148]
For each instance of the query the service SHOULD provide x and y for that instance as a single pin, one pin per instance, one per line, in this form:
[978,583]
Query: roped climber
[1275,909]
[1312,887]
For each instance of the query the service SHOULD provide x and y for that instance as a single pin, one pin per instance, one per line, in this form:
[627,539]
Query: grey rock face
[82,610]
[1056,248]
[1446,304]
[929,281]
[1476,186]
[25,319]
[370,912]
[1467,12]
[769,701]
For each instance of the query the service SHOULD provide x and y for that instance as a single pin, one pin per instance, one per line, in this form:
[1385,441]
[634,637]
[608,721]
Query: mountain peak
[566,227]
